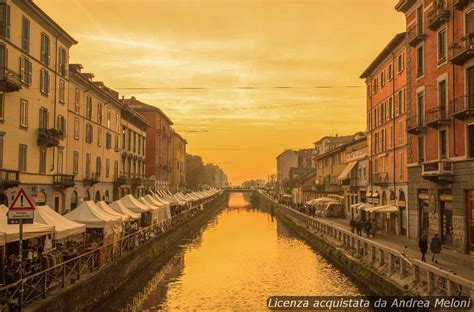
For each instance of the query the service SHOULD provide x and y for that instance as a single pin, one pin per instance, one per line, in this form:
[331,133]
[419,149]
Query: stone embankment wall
[89,291]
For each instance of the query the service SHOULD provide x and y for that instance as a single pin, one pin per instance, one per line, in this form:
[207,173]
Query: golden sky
[195,59]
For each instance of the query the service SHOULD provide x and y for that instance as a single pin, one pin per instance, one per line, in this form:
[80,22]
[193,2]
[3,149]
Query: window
[76,128]
[22,158]
[89,134]
[77,101]
[375,85]
[99,136]
[390,108]
[23,113]
[117,124]
[25,70]
[143,147]
[62,91]
[369,91]
[75,162]
[98,166]
[25,34]
[134,142]
[123,138]
[400,132]
[116,142]
[43,118]
[419,20]
[4,20]
[420,102]
[42,161]
[390,72]
[2,106]
[382,79]
[391,137]
[400,102]
[442,96]
[419,61]
[400,63]
[99,113]
[115,168]
[108,140]
[443,144]
[108,118]
[421,148]
[62,62]
[470,143]
[139,144]
[129,139]
[89,107]
[107,168]
[401,166]
[44,81]
[45,49]
[88,164]
[442,46]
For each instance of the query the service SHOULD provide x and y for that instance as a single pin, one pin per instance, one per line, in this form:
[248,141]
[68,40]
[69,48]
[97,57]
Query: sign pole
[20,256]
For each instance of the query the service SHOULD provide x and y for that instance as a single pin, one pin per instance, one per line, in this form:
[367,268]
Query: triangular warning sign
[22,202]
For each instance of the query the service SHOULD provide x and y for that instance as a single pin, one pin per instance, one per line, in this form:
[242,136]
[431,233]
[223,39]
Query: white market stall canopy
[105,207]
[163,211]
[95,218]
[133,204]
[120,208]
[63,226]
[380,209]
[10,232]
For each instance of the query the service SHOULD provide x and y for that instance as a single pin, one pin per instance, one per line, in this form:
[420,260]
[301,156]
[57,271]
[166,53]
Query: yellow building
[93,138]
[34,56]
[177,159]
[132,178]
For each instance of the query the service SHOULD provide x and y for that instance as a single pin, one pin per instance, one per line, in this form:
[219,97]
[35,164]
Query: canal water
[241,258]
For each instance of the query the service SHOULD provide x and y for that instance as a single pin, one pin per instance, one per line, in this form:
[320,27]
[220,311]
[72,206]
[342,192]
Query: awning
[345,174]
[388,208]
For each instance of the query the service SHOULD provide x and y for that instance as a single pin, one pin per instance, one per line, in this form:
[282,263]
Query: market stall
[134,205]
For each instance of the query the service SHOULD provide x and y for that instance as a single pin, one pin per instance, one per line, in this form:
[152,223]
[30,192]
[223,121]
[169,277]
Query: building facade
[159,137]
[132,178]
[34,57]
[441,125]
[386,82]
[177,159]
[285,161]
[93,139]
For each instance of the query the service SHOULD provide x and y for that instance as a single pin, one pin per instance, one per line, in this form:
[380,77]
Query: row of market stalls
[385,216]
[53,237]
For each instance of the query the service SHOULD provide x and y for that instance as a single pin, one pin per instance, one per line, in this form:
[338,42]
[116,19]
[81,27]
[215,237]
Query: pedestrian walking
[435,247]
[423,245]
[359,226]
[352,224]
[368,227]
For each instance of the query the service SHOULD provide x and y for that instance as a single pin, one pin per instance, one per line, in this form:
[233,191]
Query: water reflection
[238,262]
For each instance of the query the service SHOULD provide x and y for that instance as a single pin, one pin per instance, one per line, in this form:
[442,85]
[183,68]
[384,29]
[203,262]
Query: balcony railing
[416,124]
[120,179]
[415,34]
[466,51]
[91,178]
[63,181]
[380,178]
[437,117]
[463,107]
[9,80]
[48,137]
[437,170]
[9,178]
[438,15]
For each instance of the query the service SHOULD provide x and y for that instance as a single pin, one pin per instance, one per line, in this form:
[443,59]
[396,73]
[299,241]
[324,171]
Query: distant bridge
[240,190]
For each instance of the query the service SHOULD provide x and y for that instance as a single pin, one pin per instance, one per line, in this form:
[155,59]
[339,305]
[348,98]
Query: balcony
[467,51]
[460,4]
[9,178]
[9,80]
[416,125]
[120,179]
[91,178]
[463,107]
[438,15]
[438,171]
[136,180]
[48,137]
[380,178]
[437,117]
[63,181]
[415,34]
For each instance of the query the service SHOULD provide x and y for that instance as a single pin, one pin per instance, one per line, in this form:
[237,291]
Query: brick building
[440,79]
[385,78]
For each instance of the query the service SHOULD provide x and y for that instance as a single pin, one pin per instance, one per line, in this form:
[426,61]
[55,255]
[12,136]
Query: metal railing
[39,285]
[462,104]
[425,278]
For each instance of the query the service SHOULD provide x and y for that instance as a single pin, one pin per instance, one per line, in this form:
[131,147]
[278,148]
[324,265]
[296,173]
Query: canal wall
[89,291]
[363,275]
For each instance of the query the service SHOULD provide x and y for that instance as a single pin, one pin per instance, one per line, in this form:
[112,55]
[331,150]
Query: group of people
[358,225]
[435,247]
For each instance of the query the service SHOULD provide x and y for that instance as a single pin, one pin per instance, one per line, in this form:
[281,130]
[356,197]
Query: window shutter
[30,69]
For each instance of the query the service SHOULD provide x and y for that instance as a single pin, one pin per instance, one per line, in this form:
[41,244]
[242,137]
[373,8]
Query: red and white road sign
[22,202]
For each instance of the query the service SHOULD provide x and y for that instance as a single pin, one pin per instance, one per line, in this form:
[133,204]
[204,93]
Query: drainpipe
[55,91]
[393,127]
[454,90]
